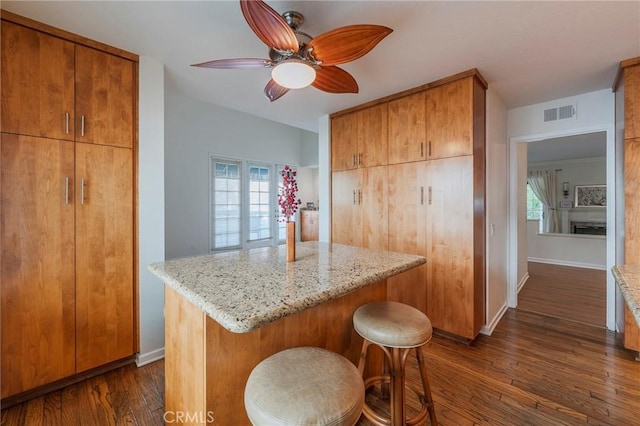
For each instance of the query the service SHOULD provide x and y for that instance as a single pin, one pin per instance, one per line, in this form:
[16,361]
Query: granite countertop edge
[235,324]
[628,280]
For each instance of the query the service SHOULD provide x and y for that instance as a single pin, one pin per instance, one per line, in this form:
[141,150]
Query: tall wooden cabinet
[627,88]
[68,205]
[434,202]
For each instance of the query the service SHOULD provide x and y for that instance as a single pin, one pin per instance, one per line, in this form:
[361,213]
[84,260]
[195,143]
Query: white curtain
[543,185]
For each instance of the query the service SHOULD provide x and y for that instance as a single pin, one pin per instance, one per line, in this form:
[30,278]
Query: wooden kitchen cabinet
[104,255]
[408,186]
[449,118]
[433,204]
[37,266]
[359,139]
[31,61]
[407,137]
[309,225]
[104,98]
[68,207]
[455,296]
[632,102]
[360,208]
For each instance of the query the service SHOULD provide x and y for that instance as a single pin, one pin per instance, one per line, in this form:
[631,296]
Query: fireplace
[589,228]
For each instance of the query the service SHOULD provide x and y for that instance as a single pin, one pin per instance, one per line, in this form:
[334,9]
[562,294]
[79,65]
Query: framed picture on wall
[591,195]
[566,204]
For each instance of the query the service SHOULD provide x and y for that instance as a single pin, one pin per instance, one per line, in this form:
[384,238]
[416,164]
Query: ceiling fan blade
[268,25]
[273,91]
[346,44]
[236,63]
[334,80]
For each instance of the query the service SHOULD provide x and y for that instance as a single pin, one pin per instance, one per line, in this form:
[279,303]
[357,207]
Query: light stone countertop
[628,280]
[247,289]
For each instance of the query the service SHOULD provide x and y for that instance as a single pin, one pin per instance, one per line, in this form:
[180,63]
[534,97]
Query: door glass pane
[226,206]
[259,202]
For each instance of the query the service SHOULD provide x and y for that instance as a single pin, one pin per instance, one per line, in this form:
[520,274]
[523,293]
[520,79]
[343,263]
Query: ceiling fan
[297,60]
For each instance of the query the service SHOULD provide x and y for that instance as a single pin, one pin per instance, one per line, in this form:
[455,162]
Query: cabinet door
[37,83]
[373,204]
[407,230]
[372,136]
[632,102]
[309,225]
[407,129]
[450,237]
[37,264]
[104,98]
[104,255]
[450,119]
[346,214]
[344,142]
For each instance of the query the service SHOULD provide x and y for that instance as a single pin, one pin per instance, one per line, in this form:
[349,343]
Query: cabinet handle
[422,195]
[66,122]
[421,149]
[66,190]
[82,191]
[354,197]
[359,196]
[359,158]
[429,149]
[353,159]
[82,126]
[429,195]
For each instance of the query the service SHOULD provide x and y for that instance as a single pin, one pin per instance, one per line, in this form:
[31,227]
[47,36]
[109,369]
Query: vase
[291,241]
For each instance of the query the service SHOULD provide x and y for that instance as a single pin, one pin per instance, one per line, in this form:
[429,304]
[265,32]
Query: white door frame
[512,287]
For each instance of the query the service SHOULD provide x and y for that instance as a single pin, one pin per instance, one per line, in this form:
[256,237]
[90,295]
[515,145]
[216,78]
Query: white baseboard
[488,329]
[568,263]
[522,281]
[149,357]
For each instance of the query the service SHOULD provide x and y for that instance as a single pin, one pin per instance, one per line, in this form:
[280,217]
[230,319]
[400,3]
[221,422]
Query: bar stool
[396,328]
[304,386]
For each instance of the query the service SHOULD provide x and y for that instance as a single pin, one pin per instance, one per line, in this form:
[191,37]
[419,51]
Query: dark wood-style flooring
[533,370]
[577,294]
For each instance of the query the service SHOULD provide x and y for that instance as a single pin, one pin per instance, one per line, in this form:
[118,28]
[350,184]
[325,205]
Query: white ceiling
[568,148]
[528,51]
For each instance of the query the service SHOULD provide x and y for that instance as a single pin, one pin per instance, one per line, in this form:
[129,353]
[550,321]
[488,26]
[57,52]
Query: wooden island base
[207,366]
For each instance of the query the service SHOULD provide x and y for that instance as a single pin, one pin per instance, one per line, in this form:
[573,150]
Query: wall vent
[559,113]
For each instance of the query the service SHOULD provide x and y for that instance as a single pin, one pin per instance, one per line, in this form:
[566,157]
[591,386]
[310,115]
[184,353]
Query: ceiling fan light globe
[293,74]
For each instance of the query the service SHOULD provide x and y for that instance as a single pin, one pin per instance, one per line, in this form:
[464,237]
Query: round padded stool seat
[392,324]
[302,386]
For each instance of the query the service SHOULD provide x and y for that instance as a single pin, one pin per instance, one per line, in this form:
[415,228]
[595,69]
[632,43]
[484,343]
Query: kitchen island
[224,313]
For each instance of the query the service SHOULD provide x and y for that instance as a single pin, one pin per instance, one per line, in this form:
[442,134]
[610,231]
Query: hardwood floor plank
[533,370]
[577,294]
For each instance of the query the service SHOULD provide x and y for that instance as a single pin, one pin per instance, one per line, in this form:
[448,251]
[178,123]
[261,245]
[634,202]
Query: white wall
[193,131]
[497,210]
[580,251]
[309,153]
[308,185]
[150,208]
[579,171]
[324,178]
[522,270]
[595,113]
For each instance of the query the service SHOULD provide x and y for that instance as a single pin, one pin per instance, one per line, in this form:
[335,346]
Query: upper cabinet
[104,93]
[449,119]
[407,139]
[359,139]
[57,89]
[632,102]
[37,83]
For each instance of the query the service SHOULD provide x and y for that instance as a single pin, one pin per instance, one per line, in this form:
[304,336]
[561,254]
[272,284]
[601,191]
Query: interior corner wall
[194,130]
[324,178]
[309,155]
[151,217]
[497,210]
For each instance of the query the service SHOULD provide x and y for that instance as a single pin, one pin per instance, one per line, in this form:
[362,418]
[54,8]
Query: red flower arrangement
[287,194]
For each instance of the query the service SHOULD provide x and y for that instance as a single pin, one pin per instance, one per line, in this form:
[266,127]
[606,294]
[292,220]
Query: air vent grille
[559,113]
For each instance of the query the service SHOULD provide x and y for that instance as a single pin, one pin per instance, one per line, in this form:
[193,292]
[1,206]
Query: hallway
[576,294]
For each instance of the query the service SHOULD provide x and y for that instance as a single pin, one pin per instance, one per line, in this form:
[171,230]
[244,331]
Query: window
[244,208]
[226,204]
[534,206]
[259,202]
